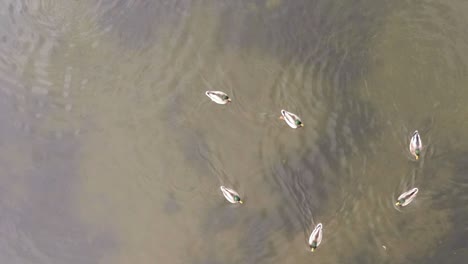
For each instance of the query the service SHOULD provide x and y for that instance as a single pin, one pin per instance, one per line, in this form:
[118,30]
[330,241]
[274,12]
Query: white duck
[218,97]
[231,195]
[405,198]
[291,119]
[415,145]
[316,237]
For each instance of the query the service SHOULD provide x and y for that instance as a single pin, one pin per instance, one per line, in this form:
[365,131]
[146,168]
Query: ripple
[149,17]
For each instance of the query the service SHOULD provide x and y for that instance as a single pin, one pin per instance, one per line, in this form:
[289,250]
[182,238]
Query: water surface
[111,153]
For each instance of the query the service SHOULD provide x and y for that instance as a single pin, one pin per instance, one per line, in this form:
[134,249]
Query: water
[111,153]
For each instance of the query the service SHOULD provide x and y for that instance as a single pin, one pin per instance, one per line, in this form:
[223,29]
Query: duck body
[415,145]
[316,237]
[407,197]
[231,195]
[218,97]
[291,119]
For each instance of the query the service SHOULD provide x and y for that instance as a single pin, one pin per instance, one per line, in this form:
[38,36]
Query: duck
[231,195]
[415,145]
[316,237]
[405,198]
[218,97]
[291,119]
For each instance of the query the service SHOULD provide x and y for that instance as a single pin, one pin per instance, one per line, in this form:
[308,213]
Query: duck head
[400,202]
[417,153]
[313,246]
[299,123]
[226,98]
[238,199]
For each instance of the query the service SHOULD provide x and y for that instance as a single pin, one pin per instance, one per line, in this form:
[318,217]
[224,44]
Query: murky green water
[111,153]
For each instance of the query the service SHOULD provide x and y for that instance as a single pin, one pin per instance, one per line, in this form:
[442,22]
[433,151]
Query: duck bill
[398,204]
[302,125]
[229,100]
[312,249]
[417,157]
[241,202]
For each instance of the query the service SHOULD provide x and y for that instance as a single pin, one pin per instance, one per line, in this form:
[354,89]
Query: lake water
[110,152]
